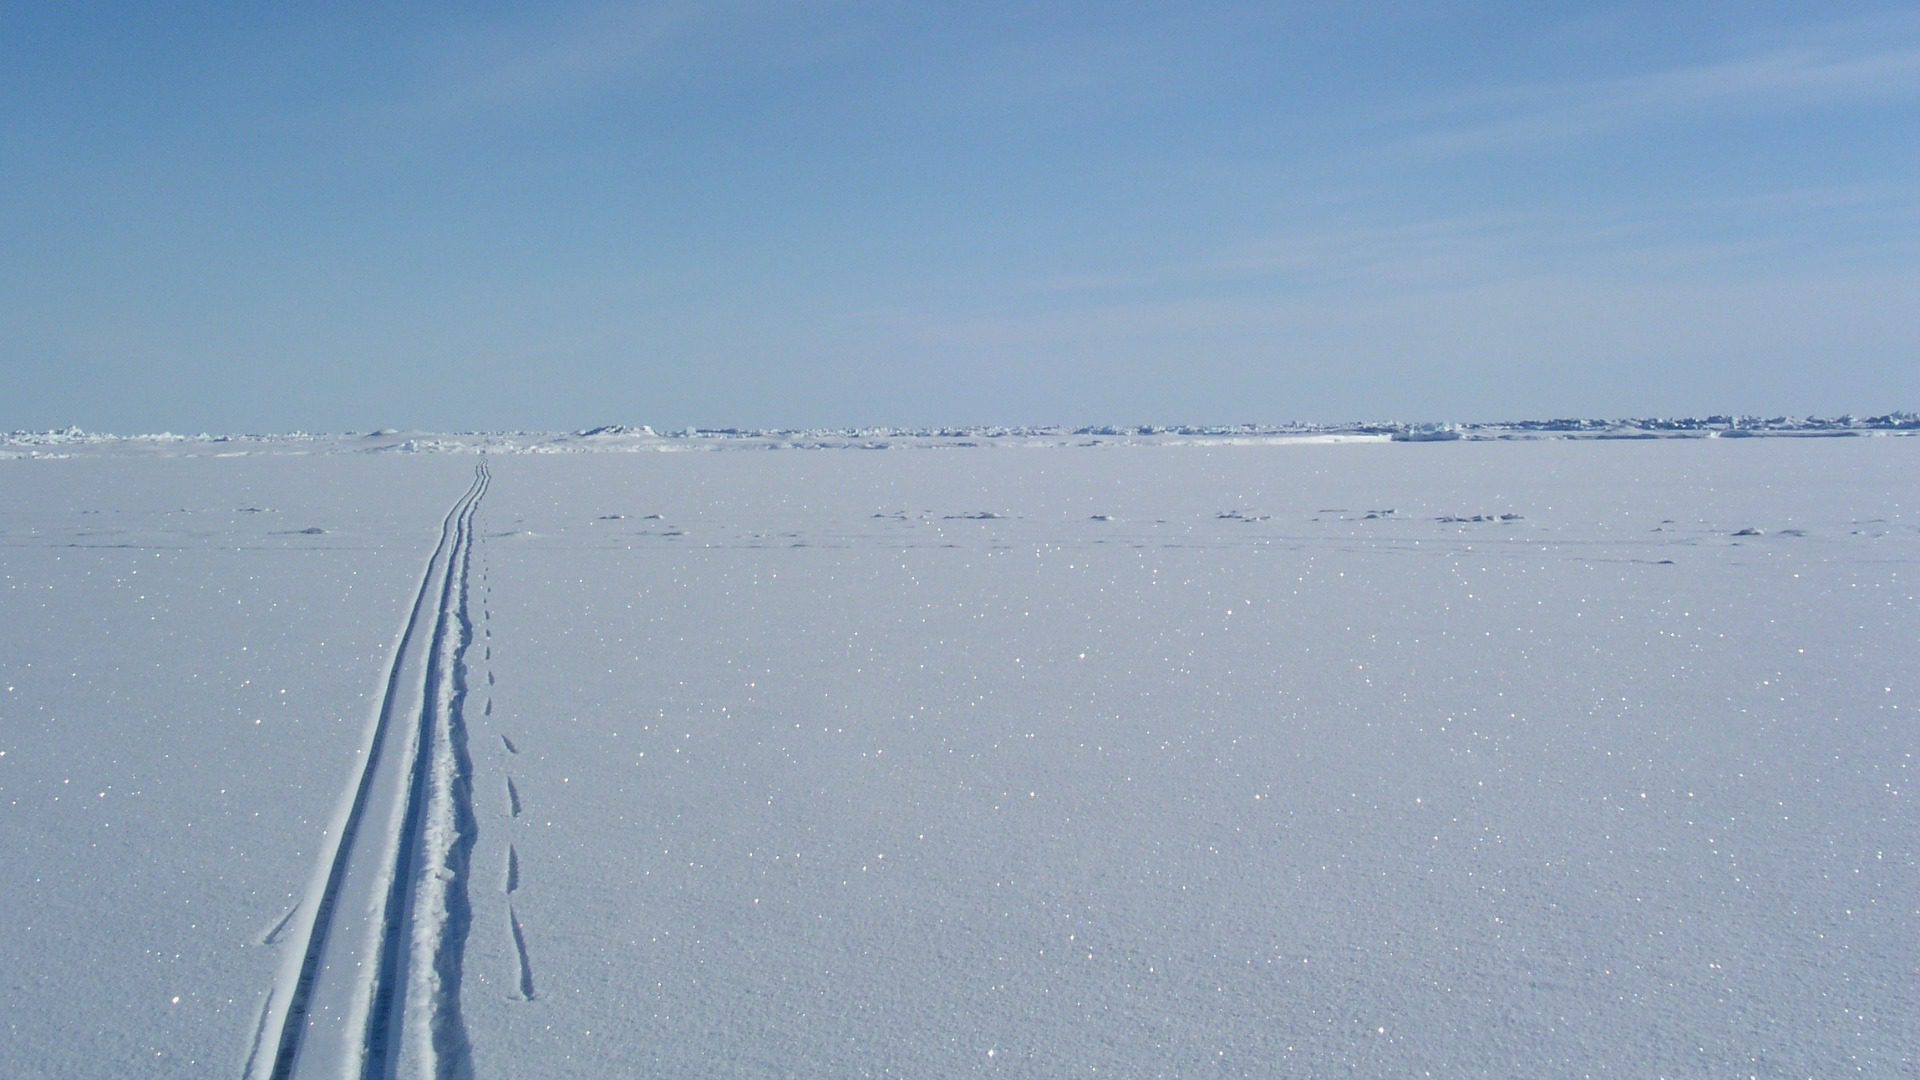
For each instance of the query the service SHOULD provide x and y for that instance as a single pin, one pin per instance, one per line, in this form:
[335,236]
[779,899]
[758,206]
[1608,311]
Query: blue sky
[483,216]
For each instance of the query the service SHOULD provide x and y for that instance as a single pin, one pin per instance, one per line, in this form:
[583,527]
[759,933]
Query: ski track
[405,996]
[438,941]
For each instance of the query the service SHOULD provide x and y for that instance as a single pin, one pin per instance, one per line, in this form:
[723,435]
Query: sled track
[372,971]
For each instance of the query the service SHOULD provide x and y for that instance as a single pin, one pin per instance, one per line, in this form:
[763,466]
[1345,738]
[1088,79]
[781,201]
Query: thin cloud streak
[1786,79]
[1522,325]
[1423,255]
[584,51]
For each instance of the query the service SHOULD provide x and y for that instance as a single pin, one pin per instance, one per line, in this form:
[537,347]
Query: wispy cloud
[1520,281]
[556,55]
[1422,255]
[1826,68]
[1513,324]
[1317,254]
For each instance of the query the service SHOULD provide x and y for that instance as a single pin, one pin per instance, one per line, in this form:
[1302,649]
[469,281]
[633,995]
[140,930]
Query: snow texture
[1211,752]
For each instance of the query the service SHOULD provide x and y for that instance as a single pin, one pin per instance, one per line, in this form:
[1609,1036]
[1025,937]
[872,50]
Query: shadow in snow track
[520,950]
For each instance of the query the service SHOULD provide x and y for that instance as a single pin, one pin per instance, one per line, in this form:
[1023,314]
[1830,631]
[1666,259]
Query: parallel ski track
[387,972]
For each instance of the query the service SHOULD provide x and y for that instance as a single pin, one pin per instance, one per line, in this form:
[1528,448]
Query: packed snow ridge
[624,437]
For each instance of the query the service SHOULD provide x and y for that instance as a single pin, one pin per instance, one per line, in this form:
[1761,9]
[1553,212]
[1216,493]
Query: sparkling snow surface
[1542,758]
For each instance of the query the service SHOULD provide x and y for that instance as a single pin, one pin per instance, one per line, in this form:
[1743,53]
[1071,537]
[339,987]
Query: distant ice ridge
[641,438]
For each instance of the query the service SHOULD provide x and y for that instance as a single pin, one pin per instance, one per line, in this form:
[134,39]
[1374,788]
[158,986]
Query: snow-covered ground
[1180,753]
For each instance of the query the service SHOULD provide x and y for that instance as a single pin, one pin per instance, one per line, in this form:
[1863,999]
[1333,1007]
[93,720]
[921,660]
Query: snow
[1223,752]
[185,677]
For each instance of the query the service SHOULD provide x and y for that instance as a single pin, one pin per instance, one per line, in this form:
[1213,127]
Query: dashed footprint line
[511,885]
[510,880]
